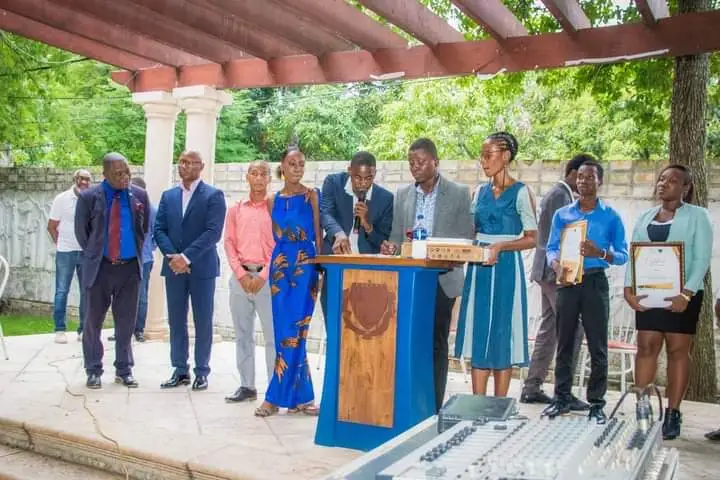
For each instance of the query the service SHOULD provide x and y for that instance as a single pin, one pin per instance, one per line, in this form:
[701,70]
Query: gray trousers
[243,308]
[546,339]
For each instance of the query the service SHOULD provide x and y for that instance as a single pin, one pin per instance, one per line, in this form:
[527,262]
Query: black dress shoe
[577,405]
[535,397]
[93,381]
[555,409]
[671,424]
[111,338]
[597,414]
[714,435]
[127,380]
[176,380]
[242,394]
[139,337]
[200,383]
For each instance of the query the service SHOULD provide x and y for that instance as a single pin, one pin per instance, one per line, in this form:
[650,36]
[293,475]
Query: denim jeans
[143,297]
[66,264]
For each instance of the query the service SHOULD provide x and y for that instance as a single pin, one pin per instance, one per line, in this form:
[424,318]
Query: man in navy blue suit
[111,221]
[356,214]
[188,226]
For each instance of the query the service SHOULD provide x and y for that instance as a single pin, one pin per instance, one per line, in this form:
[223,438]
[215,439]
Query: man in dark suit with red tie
[111,221]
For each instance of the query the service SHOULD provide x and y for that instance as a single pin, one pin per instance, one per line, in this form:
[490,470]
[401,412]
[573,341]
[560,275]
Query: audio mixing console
[627,447]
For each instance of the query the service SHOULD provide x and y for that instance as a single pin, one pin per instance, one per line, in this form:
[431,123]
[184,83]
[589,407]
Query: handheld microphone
[361,198]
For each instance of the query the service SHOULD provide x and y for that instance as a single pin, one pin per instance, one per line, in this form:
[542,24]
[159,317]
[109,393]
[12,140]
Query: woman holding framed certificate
[670,255]
[492,326]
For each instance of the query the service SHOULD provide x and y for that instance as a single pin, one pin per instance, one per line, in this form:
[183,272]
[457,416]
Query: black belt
[593,271]
[119,262]
[253,268]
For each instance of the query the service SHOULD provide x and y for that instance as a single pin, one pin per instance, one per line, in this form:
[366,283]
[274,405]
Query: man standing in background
[148,261]
[61,228]
[248,246]
[562,194]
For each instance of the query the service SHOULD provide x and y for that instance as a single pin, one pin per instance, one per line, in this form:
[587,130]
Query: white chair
[621,341]
[5,270]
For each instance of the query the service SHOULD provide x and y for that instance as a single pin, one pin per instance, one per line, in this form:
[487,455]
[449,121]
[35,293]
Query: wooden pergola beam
[150,24]
[26,27]
[653,10]
[679,35]
[101,32]
[349,23]
[415,19]
[227,28]
[569,13]
[271,17]
[494,17]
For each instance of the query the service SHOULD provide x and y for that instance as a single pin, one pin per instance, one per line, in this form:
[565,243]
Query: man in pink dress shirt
[248,245]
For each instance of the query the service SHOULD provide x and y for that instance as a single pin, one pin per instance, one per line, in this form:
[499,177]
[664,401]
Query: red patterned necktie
[114,229]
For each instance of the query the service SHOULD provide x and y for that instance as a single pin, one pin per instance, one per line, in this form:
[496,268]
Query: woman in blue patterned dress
[293,286]
[492,327]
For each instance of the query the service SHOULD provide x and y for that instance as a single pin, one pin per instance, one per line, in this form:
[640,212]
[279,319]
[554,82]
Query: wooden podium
[379,363]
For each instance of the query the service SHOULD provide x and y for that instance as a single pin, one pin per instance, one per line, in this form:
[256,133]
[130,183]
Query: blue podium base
[414,395]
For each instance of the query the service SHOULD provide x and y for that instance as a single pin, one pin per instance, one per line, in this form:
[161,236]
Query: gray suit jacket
[556,198]
[452,219]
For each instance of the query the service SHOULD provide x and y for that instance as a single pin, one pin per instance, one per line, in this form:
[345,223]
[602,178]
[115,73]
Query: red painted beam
[348,22]
[102,32]
[494,17]
[148,23]
[652,10]
[569,13]
[415,19]
[679,35]
[277,19]
[29,28]
[250,39]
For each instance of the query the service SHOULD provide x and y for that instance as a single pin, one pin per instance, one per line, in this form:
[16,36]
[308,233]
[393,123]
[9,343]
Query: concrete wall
[26,195]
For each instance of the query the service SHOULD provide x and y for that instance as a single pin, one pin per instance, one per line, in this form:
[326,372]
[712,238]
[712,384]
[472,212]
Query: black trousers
[589,301]
[116,285]
[443,315]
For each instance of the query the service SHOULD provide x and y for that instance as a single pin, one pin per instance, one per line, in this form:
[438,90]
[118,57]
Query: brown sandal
[266,411]
[309,409]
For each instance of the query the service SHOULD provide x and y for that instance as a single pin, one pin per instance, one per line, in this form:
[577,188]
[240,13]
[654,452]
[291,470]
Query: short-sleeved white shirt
[63,211]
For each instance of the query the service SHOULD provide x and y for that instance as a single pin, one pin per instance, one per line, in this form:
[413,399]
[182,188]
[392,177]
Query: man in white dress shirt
[61,228]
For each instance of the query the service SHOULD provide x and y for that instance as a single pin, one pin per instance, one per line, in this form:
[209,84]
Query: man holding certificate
[670,255]
[586,237]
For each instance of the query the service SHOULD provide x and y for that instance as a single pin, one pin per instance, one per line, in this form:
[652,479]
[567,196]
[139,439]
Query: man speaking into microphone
[356,214]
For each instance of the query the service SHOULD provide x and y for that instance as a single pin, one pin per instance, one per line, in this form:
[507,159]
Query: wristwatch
[604,255]
[686,296]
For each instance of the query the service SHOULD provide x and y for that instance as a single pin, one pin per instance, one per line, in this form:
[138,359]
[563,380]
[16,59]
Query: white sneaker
[79,337]
[60,337]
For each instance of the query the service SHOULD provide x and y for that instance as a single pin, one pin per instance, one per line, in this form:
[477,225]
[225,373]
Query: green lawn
[29,325]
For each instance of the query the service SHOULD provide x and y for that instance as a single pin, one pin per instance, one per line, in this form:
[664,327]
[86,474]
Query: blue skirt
[493,323]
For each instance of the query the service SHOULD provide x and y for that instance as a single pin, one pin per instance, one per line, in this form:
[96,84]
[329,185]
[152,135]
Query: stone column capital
[158,104]
[202,99]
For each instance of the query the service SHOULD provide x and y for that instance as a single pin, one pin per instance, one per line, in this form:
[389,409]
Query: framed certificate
[658,271]
[571,260]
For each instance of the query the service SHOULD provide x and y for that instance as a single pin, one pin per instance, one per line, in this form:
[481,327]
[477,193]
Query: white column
[202,105]
[161,110]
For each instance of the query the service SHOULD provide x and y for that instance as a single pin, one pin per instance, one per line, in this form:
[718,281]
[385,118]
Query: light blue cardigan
[691,226]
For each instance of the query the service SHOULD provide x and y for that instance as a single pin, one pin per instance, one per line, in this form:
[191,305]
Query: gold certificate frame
[571,258]
[658,271]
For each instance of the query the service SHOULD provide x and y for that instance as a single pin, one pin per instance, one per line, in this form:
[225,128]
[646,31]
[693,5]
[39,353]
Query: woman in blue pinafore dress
[492,327]
[294,287]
